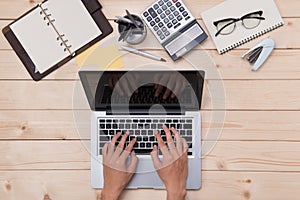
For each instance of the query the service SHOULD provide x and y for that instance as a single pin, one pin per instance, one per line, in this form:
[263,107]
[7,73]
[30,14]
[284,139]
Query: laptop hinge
[135,111]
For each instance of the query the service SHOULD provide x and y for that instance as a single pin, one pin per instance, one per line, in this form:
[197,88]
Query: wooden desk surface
[257,155]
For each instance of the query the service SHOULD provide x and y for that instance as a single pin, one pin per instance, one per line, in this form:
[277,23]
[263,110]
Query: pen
[128,33]
[132,19]
[142,53]
[123,33]
[122,23]
[123,19]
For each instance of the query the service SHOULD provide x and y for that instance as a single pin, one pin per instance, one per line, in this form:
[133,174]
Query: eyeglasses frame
[234,20]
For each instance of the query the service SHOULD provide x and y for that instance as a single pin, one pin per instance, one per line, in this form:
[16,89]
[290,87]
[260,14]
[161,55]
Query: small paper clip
[259,53]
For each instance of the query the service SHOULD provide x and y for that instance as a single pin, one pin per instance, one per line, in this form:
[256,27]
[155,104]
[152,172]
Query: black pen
[122,23]
[123,33]
[124,20]
[133,20]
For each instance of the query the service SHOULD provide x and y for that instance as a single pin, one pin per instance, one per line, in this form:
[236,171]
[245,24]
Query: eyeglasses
[249,21]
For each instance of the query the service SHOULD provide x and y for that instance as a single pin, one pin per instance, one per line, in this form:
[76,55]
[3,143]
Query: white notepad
[237,9]
[72,27]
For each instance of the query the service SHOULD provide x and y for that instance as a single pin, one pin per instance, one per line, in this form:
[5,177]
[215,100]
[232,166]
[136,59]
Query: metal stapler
[259,53]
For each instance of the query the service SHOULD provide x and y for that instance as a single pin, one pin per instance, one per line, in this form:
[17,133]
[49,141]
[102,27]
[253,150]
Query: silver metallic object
[132,32]
[259,53]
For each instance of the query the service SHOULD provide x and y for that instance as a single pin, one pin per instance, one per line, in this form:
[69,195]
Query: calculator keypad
[165,17]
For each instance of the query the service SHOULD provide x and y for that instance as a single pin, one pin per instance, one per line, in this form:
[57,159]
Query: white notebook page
[236,9]
[74,21]
[40,41]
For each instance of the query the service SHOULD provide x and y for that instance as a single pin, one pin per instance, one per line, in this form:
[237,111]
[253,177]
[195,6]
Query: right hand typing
[173,168]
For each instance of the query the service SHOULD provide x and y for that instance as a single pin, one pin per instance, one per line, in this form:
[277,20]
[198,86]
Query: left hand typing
[116,173]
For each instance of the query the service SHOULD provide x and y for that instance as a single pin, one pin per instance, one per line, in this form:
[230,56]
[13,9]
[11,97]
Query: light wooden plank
[239,95]
[285,37]
[22,95]
[257,155]
[44,124]
[283,64]
[75,185]
[287,8]
[44,155]
[252,125]
[224,156]
[3,42]
[257,95]
[64,125]
[12,68]
[234,159]
[278,66]
[46,185]
[13,8]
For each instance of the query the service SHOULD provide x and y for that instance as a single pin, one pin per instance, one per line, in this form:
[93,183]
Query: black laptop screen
[143,89]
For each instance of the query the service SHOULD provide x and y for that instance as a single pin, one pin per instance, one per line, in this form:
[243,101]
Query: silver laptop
[125,101]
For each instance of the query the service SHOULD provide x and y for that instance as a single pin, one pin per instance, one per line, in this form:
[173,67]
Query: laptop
[123,101]
[174,26]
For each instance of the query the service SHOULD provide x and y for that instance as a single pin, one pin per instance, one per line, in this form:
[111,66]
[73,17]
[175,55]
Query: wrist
[176,195]
[106,195]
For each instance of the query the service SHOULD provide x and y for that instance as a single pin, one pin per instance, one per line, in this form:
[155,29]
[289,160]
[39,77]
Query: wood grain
[257,153]
[11,9]
[74,184]
[287,8]
[64,125]
[3,42]
[267,95]
[253,125]
[285,37]
[224,156]
[38,124]
[44,155]
[283,65]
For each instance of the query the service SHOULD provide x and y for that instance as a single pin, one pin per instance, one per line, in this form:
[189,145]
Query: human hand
[173,168]
[116,173]
[175,83]
[124,84]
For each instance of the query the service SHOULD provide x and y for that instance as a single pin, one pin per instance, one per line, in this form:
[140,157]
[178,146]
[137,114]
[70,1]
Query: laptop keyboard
[143,130]
[166,17]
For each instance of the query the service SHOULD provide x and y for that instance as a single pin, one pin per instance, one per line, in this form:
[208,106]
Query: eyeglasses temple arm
[218,33]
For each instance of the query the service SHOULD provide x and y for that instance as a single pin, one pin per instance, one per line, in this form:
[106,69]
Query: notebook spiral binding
[60,37]
[251,38]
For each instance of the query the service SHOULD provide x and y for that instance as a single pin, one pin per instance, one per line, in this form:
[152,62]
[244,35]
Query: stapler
[259,53]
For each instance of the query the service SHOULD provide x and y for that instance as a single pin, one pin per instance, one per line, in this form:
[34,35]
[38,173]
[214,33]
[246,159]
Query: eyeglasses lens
[229,27]
[252,21]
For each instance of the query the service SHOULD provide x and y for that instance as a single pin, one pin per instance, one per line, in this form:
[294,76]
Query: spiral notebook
[237,9]
[54,32]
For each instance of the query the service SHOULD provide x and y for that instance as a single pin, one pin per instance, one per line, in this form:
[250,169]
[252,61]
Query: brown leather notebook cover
[93,7]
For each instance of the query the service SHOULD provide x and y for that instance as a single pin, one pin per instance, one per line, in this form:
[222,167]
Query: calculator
[173,25]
